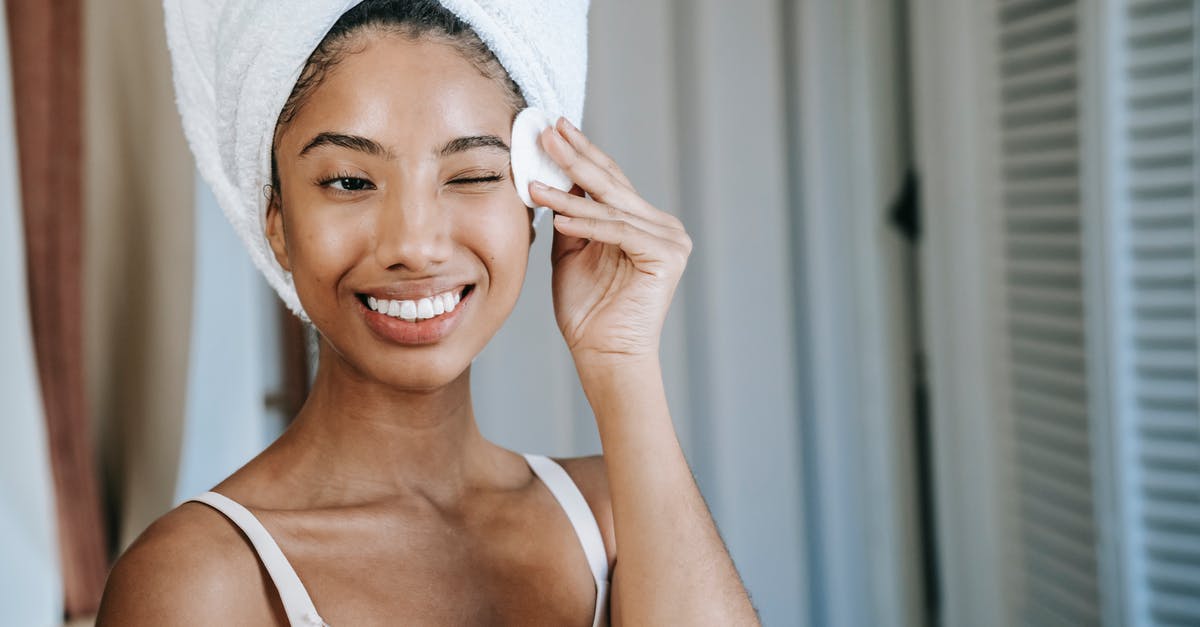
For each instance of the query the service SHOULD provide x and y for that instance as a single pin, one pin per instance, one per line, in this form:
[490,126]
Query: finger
[651,254]
[600,184]
[585,146]
[596,181]
[563,245]
[582,207]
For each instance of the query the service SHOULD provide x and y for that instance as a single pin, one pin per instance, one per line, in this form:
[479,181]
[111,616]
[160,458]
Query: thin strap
[296,602]
[571,499]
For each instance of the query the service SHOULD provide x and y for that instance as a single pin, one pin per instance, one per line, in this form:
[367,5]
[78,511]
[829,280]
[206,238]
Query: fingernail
[540,185]
[568,124]
[561,219]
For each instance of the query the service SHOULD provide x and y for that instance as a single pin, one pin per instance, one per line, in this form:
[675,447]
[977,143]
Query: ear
[275,230]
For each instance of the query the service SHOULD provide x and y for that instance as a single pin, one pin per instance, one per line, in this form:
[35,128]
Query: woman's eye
[491,178]
[348,184]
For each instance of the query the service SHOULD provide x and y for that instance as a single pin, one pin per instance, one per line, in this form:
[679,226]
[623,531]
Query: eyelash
[341,176]
[491,178]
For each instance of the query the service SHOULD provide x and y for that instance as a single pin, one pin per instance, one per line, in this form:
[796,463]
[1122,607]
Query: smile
[416,321]
[420,309]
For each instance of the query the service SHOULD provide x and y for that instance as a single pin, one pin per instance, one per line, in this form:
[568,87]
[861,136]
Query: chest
[519,566]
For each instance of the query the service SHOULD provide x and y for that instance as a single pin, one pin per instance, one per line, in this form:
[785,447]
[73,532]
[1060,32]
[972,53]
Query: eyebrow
[353,142]
[462,144]
[375,149]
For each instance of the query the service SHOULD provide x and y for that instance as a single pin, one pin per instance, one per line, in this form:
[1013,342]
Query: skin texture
[382,493]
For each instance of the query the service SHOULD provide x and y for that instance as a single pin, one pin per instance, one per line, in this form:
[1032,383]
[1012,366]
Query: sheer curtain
[138,266]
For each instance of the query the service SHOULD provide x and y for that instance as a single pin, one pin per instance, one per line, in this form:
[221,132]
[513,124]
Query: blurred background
[934,360]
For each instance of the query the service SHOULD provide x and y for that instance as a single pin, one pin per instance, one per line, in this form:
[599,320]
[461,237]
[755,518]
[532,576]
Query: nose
[411,233]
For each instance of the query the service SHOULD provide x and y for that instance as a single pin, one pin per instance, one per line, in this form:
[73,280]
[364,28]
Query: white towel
[235,63]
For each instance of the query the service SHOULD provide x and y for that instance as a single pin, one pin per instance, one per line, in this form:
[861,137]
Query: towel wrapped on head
[235,63]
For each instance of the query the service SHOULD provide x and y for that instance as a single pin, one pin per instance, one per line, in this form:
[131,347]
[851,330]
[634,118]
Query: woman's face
[396,186]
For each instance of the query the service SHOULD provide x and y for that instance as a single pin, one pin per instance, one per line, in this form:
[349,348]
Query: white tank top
[299,606]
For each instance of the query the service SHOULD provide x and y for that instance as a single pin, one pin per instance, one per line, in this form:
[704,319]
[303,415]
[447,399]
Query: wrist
[607,364]
[608,376]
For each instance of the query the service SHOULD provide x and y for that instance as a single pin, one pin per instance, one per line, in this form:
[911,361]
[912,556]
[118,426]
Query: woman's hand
[616,258]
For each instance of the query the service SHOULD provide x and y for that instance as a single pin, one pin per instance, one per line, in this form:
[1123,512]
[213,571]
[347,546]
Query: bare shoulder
[190,567]
[591,476]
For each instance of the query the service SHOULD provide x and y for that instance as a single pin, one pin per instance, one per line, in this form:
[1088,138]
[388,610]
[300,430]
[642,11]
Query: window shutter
[1161,115]
[1052,573]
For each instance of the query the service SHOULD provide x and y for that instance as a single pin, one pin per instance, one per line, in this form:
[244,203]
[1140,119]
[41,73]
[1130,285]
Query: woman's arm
[617,261]
[673,568]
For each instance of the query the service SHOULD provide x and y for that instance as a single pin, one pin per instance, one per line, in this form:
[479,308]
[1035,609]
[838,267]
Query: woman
[398,221]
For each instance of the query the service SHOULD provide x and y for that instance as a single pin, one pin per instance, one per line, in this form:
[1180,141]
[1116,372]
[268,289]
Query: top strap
[296,602]
[580,514]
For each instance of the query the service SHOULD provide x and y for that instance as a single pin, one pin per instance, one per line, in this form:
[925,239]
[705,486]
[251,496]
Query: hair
[413,19]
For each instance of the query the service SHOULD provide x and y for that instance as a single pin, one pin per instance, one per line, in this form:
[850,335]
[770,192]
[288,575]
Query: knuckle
[606,183]
[571,160]
[612,168]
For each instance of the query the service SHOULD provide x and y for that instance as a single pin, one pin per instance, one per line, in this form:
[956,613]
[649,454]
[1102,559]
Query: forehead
[404,91]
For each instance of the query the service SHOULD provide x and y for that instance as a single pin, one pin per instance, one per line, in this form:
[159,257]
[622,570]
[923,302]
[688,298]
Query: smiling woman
[392,213]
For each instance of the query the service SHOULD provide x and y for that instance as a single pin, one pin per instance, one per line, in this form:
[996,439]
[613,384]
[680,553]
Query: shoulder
[591,476]
[191,566]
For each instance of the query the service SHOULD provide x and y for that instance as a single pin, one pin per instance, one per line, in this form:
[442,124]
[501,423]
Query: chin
[420,375]
[427,368]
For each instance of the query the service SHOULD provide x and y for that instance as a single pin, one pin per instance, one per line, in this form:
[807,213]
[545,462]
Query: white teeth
[408,310]
[425,309]
[422,309]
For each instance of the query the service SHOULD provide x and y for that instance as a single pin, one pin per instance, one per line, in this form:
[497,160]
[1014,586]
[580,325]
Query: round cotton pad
[529,160]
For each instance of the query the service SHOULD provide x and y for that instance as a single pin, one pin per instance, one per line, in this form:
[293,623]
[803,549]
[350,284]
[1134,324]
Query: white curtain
[30,577]
[688,98]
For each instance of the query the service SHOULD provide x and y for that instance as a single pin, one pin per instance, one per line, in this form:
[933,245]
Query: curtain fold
[138,266]
[30,578]
[45,41]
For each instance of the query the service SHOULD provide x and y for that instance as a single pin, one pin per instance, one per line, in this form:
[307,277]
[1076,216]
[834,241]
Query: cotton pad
[530,162]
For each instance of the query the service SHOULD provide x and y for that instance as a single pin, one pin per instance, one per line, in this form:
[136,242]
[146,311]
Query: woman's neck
[357,441]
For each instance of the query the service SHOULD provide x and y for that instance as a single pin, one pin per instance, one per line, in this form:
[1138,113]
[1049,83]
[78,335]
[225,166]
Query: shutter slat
[1162,486]
[1043,313]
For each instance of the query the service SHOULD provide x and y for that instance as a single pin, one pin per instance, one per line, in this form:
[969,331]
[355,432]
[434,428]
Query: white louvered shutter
[1162,466]
[1088,131]
[1052,570]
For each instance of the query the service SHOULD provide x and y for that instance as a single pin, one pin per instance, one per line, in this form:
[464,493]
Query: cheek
[322,245]
[500,238]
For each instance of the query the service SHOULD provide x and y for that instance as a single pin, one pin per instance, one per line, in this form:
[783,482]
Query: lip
[417,332]
[414,290]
